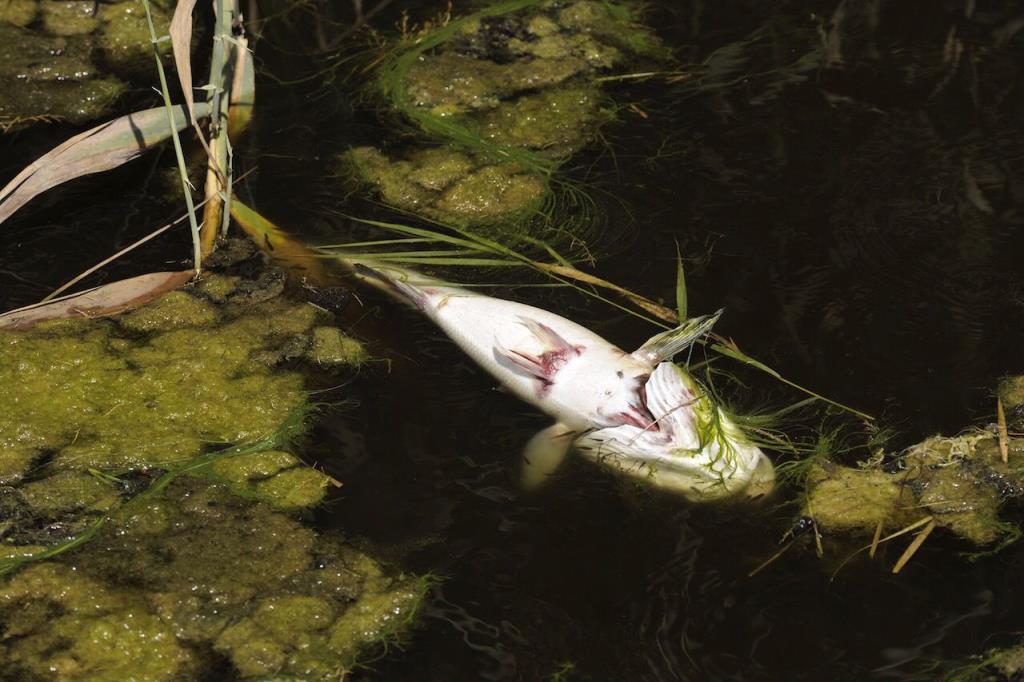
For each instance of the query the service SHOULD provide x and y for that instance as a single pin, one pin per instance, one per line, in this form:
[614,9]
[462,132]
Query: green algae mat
[959,484]
[496,101]
[71,60]
[151,514]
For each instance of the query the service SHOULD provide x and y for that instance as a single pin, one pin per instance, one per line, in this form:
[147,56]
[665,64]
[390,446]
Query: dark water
[846,179]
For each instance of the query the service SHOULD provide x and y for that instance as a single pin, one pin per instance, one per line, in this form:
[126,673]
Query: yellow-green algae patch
[18,12]
[1011,395]
[276,477]
[331,348]
[49,52]
[69,491]
[51,76]
[996,665]
[450,186]
[196,567]
[208,556]
[510,92]
[70,17]
[155,387]
[959,482]
[62,624]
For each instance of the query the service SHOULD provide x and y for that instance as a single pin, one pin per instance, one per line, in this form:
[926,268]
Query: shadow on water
[845,178]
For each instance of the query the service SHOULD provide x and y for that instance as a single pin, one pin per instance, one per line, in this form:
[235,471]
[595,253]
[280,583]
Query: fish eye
[619,373]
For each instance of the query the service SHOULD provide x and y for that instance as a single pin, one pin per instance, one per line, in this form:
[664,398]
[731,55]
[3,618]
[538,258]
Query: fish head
[696,450]
[617,384]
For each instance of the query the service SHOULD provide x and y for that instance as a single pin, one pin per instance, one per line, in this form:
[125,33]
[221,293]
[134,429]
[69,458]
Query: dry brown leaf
[1004,445]
[181,44]
[243,88]
[98,149]
[108,299]
[914,546]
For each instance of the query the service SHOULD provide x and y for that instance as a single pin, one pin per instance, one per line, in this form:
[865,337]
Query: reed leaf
[98,149]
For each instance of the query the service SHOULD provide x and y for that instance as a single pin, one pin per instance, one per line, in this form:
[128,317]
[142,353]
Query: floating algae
[71,67]
[507,94]
[196,568]
[997,665]
[179,553]
[959,482]
[450,186]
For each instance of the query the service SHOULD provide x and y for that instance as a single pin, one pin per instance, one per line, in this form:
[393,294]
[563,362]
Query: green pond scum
[150,511]
[503,97]
[959,482]
[71,60]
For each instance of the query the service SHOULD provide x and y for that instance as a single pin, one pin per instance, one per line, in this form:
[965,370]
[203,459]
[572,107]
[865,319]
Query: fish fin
[670,399]
[666,345]
[520,363]
[544,453]
[551,339]
[393,285]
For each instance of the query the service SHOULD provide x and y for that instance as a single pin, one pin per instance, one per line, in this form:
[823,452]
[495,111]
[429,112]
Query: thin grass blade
[281,246]
[730,350]
[680,286]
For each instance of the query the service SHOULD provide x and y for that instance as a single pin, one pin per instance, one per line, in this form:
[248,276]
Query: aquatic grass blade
[680,286]
[732,351]
[280,245]
[98,149]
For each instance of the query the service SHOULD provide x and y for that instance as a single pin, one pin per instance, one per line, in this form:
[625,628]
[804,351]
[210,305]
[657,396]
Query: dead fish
[636,411]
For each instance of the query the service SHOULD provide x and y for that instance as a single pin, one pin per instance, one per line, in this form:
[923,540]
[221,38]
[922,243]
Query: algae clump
[49,52]
[74,627]
[960,483]
[450,186]
[509,92]
[51,77]
[164,542]
[18,12]
[69,17]
[196,567]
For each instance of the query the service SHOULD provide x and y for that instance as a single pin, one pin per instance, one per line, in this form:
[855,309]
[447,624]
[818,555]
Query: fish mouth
[642,416]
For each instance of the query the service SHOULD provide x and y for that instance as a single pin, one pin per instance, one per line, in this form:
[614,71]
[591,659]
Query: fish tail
[395,286]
